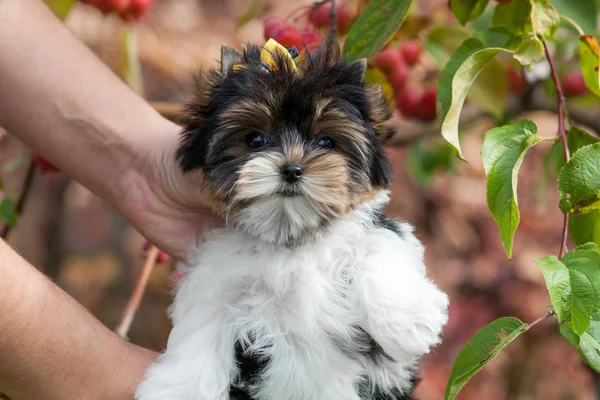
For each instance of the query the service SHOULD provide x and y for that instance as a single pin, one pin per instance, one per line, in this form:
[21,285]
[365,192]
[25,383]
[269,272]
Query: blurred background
[92,252]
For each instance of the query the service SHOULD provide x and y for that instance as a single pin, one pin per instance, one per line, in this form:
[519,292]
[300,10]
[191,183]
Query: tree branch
[562,133]
[540,319]
[137,294]
[25,190]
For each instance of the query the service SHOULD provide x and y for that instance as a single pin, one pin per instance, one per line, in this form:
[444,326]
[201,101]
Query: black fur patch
[386,222]
[251,366]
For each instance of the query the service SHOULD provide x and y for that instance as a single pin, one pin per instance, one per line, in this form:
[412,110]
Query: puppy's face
[284,153]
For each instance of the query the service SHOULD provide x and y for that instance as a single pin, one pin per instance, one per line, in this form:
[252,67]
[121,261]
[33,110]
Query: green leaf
[60,8]
[589,61]
[467,10]
[484,22]
[254,9]
[579,179]
[576,139]
[461,71]
[584,274]
[585,228]
[558,283]
[503,152]
[374,27]
[490,90]
[514,16]
[589,343]
[522,17]
[443,41]
[582,12]
[480,350]
[544,18]
[8,213]
[531,49]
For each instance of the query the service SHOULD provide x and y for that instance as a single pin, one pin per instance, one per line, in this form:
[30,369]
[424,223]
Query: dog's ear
[355,72]
[229,57]
[380,114]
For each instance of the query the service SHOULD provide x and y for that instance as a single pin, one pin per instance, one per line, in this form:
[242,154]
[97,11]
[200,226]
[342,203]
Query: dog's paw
[430,317]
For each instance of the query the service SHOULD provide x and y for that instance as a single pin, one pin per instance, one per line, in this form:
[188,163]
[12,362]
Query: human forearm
[52,348]
[59,99]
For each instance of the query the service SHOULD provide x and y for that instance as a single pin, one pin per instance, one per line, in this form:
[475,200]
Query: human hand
[164,204]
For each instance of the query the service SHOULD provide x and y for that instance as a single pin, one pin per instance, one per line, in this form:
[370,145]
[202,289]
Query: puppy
[310,292]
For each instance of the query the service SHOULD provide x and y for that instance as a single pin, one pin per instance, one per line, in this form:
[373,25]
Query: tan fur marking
[327,183]
[247,112]
[334,121]
[294,154]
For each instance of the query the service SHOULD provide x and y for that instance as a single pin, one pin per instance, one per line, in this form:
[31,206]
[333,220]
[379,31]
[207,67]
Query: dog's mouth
[289,191]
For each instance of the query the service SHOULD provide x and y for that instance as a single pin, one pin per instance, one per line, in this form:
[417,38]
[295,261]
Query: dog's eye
[325,143]
[256,140]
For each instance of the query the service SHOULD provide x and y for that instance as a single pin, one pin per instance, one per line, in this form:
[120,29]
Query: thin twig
[137,294]
[540,319]
[25,190]
[332,20]
[563,137]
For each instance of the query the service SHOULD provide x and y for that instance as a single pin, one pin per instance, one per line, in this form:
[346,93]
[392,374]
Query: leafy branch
[522,28]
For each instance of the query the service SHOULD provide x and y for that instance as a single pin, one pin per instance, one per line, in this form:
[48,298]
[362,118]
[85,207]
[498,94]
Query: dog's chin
[286,218]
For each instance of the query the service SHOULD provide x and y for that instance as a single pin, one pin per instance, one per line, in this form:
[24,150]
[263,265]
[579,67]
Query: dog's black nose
[291,172]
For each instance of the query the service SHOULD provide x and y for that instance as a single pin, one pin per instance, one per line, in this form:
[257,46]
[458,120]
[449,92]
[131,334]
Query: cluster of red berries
[318,16]
[128,10]
[396,63]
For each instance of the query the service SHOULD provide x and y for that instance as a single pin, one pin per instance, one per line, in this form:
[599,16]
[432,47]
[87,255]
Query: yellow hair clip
[272,49]
[268,55]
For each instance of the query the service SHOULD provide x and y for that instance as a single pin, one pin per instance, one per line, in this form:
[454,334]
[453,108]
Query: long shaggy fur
[310,292]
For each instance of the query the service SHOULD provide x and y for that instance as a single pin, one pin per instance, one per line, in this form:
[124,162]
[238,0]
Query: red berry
[118,6]
[344,19]
[574,85]
[408,102]
[397,77]
[427,105]
[312,39]
[162,257]
[289,36]
[45,165]
[272,25]
[388,59]
[136,11]
[516,80]
[410,52]
[320,17]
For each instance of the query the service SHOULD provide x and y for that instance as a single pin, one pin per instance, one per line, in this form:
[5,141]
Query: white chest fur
[313,316]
